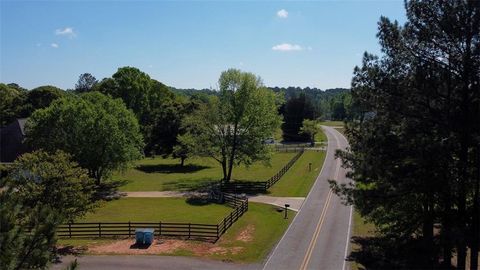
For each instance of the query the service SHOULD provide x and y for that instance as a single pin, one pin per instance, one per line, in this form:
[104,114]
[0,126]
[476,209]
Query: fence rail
[228,191]
[274,179]
[259,186]
[169,229]
[110,229]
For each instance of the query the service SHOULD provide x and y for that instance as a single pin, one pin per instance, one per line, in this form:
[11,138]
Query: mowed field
[158,209]
[159,174]
[249,240]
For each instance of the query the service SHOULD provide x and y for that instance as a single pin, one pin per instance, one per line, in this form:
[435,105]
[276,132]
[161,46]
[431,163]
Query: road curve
[319,236]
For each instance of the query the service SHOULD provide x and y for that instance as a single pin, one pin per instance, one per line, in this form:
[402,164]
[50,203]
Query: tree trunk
[447,232]
[232,155]
[182,161]
[94,174]
[427,231]
[464,147]
[224,169]
[462,218]
[476,219]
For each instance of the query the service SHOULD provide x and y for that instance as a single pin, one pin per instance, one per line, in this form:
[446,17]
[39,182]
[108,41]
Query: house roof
[21,124]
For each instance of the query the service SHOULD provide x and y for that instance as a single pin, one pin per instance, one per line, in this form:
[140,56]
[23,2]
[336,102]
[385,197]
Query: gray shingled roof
[21,124]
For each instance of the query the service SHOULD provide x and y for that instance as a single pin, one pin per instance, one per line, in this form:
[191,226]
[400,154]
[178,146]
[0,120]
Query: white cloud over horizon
[287,47]
[282,13]
[67,31]
[54,45]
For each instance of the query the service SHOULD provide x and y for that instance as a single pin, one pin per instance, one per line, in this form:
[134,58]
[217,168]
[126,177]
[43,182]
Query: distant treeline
[329,104]
[298,104]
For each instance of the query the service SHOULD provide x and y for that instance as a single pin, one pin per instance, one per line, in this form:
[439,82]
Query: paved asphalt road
[318,238]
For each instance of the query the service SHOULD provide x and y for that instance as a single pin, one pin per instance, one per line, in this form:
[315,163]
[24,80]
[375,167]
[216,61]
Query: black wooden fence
[259,186]
[297,147]
[182,230]
[168,229]
[240,207]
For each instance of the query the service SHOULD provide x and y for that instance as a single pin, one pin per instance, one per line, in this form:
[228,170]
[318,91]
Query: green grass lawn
[250,239]
[160,174]
[266,226]
[157,209]
[360,229]
[332,123]
[298,180]
[321,137]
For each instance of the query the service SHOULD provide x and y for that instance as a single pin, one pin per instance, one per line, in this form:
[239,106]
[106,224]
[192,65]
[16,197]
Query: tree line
[79,138]
[415,139]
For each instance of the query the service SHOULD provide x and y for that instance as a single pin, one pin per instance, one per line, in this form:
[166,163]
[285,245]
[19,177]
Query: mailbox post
[286,210]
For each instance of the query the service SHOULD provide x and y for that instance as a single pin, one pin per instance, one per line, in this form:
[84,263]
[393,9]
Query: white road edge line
[304,202]
[349,225]
[348,238]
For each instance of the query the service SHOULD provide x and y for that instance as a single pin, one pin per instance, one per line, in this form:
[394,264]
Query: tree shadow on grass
[198,200]
[198,185]
[171,168]
[108,190]
[378,253]
[248,187]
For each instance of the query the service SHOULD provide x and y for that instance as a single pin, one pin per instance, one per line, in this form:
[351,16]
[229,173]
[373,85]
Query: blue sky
[186,44]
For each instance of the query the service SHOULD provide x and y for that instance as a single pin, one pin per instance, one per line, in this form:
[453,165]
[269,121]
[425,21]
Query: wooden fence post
[189,230]
[159,228]
[70,229]
[99,229]
[129,229]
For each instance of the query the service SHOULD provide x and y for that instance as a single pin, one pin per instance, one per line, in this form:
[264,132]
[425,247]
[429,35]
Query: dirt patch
[247,234]
[167,246]
[127,247]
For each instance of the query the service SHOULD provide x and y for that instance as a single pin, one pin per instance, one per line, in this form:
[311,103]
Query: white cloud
[67,31]
[287,47]
[54,45]
[282,13]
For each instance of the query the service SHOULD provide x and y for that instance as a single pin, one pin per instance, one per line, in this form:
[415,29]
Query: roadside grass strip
[298,181]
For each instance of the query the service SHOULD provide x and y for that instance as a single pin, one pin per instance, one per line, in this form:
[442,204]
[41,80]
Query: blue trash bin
[144,236]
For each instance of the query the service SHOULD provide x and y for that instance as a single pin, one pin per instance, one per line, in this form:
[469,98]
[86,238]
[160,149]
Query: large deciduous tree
[54,180]
[157,109]
[99,132]
[11,103]
[41,97]
[232,127]
[415,140]
[86,82]
[311,128]
[39,192]
[296,110]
